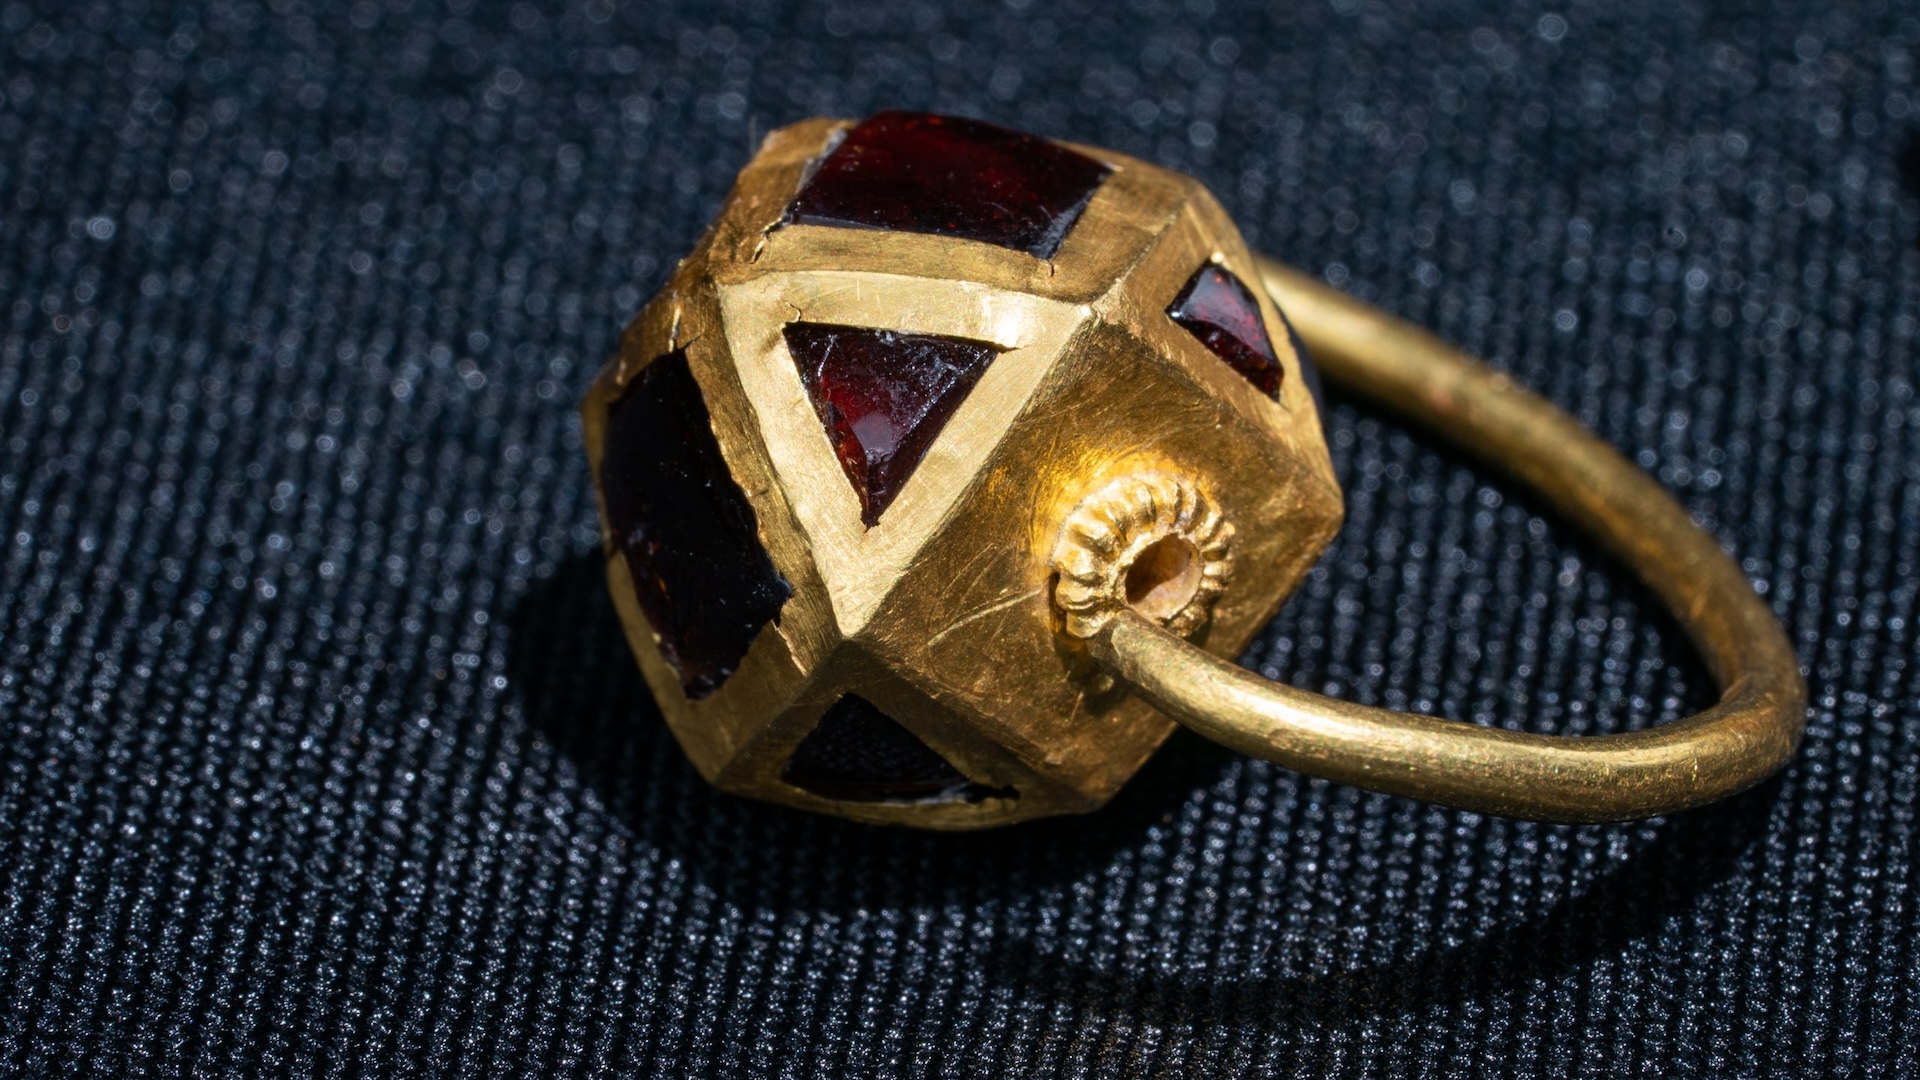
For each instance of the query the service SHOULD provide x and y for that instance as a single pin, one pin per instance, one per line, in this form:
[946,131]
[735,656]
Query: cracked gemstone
[918,172]
[883,397]
[1216,308]
[859,754]
[691,541]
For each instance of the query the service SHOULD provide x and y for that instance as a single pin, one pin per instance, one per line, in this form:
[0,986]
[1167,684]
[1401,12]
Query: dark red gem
[1216,308]
[883,397]
[691,541]
[918,172]
[859,754]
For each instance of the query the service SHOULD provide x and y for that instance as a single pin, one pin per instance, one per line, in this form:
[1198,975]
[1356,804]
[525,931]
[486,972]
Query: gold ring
[955,463]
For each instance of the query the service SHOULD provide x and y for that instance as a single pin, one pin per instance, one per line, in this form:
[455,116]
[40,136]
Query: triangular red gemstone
[883,397]
[1216,308]
[859,754]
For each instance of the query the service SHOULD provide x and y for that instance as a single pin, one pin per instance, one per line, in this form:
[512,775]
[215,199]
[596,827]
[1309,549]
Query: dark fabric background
[322,754]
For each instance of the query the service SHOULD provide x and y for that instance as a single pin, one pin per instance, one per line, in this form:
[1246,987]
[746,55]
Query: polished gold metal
[1739,742]
[942,613]
[1112,502]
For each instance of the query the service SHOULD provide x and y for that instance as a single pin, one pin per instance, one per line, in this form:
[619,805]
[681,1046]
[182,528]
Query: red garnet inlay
[918,172]
[859,754]
[1216,308]
[691,541]
[883,397]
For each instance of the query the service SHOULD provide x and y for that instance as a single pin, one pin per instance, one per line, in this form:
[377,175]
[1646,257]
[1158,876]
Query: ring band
[1734,745]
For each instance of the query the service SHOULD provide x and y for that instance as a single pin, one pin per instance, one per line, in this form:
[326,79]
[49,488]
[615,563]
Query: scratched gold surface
[941,614]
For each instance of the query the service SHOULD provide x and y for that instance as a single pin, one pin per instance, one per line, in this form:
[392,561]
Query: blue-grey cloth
[320,750]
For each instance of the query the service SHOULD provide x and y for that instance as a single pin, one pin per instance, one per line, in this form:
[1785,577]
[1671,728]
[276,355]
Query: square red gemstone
[690,537]
[919,172]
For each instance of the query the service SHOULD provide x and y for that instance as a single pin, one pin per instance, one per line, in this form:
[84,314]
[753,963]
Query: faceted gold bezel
[940,613]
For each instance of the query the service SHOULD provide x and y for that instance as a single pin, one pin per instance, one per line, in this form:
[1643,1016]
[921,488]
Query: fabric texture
[320,750]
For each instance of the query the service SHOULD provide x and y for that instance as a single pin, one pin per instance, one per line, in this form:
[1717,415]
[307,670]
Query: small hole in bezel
[1163,578]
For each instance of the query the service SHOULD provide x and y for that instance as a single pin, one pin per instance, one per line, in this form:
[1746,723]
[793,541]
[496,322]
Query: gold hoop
[1746,737]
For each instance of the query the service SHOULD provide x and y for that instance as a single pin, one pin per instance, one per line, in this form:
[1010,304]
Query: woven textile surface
[321,752]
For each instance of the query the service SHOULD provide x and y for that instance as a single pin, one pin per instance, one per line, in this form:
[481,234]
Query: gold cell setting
[906,409]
